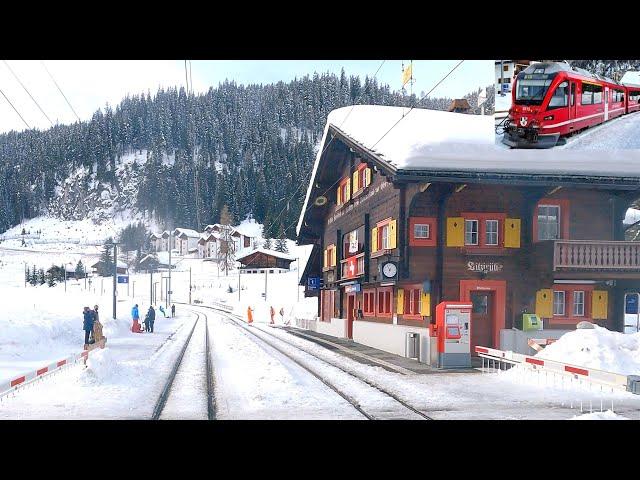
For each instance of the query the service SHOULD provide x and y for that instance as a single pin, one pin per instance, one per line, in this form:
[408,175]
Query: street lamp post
[298,284]
[115,277]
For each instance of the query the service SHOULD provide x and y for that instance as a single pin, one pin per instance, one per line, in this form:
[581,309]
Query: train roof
[556,67]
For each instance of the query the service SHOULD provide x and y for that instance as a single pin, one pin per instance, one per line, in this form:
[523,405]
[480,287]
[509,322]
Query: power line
[392,127]
[186,77]
[14,108]
[28,93]
[60,90]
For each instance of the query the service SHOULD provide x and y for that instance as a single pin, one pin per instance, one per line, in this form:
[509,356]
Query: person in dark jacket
[87,323]
[152,317]
[173,310]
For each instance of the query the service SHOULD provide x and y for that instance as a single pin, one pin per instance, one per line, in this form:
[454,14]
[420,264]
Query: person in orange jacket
[273,313]
[249,315]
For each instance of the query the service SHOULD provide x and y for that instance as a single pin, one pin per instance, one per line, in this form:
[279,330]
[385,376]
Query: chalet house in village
[260,260]
[406,210]
[186,240]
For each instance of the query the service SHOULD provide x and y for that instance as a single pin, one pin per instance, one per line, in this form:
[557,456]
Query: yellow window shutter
[367,177]
[392,234]
[400,308]
[544,303]
[355,181]
[425,304]
[325,264]
[333,256]
[599,304]
[374,239]
[339,201]
[348,194]
[512,233]
[455,232]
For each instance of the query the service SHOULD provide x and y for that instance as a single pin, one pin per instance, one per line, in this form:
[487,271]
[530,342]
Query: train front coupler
[528,137]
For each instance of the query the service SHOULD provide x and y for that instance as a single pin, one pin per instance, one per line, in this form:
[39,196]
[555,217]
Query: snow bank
[631,78]
[632,216]
[597,348]
[102,367]
[607,415]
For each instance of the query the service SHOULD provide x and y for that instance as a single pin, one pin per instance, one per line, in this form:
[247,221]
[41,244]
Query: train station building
[409,209]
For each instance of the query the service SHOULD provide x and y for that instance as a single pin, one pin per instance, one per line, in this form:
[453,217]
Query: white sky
[90,84]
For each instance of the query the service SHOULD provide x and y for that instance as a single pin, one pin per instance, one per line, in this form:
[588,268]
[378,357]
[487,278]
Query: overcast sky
[90,84]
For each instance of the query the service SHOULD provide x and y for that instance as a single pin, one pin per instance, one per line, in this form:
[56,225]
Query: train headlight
[548,117]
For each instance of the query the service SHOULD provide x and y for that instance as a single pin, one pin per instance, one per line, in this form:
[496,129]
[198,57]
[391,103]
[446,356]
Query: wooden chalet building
[434,211]
[260,259]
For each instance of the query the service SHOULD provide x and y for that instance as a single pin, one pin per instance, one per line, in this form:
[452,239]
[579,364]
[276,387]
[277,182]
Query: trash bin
[412,349]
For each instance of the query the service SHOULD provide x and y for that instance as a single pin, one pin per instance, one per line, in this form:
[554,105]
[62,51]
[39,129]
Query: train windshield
[532,91]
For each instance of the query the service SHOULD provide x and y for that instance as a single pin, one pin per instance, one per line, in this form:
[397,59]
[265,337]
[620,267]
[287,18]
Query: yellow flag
[406,74]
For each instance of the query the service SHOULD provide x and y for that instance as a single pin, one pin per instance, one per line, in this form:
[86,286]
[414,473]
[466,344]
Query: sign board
[482,96]
[485,266]
[355,288]
[123,278]
[314,283]
[631,303]
[505,88]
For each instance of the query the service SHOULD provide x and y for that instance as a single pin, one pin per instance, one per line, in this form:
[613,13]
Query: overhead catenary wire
[385,134]
[14,108]
[26,90]
[60,90]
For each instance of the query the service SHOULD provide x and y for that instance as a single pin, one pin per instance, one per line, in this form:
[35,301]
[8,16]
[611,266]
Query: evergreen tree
[281,242]
[267,244]
[106,266]
[51,279]
[27,275]
[41,277]
[80,273]
[33,279]
[226,257]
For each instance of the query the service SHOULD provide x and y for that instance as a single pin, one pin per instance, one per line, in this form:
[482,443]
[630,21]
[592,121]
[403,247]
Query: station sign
[314,283]
[354,288]
[123,278]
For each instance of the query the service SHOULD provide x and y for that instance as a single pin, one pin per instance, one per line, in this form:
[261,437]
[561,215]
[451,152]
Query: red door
[482,319]
[572,105]
[351,306]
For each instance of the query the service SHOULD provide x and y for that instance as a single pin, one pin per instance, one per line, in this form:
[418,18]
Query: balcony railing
[596,255]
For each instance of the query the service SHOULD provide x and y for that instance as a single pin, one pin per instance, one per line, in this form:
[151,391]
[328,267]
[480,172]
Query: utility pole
[134,289]
[266,270]
[298,284]
[115,277]
[170,267]
[238,284]
[64,267]
[151,288]
[189,285]
[25,274]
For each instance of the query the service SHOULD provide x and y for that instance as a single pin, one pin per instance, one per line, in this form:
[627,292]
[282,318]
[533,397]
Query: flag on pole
[406,74]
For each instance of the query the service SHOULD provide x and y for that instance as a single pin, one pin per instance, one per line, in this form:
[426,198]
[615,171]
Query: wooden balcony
[596,255]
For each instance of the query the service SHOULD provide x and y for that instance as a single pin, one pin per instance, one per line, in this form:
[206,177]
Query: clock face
[389,269]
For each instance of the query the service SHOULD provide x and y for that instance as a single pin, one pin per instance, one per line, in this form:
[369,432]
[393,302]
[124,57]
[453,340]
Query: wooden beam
[554,191]
[424,187]
[459,188]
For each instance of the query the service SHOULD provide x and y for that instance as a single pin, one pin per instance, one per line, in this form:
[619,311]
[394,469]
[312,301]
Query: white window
[385,237]
[548,222]
[578,303]
[558,302]
[421,230]
[491,227]
[471,232]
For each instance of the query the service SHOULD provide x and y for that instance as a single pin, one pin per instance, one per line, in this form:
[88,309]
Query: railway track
[400,410]
[168,395]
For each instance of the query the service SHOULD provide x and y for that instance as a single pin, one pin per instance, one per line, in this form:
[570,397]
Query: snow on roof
[632,216]
[148,257]
[186,231]
[250,228]
[273,253]
[631,78]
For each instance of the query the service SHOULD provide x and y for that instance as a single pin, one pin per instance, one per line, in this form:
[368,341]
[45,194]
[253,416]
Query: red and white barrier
[609,379]
[19,381]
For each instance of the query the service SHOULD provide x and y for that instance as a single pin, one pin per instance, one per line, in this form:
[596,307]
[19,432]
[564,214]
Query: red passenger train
[552,100]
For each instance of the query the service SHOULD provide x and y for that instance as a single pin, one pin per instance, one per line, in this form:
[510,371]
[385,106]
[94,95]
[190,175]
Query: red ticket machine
[453,333]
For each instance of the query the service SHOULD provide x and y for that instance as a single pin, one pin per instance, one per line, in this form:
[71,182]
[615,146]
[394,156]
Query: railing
[596,255]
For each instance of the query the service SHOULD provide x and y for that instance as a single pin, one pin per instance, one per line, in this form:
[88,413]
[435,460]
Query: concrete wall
[390,338]
[516,340]
[337,327]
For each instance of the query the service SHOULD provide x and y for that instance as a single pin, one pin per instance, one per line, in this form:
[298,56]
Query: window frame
[387,292]
[342,190]
[497,232]
[482,218]
[566,96]
[574,304]
[369,300]
[569,292]
[412,302]
[564,303]
[477,232]
[565,211]
[433,232]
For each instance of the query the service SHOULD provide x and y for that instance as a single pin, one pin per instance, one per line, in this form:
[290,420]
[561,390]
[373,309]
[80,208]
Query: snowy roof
[272,253]
[631,79]
[186,231]
[156,235]
[249,228]
[148,257]
[207,237]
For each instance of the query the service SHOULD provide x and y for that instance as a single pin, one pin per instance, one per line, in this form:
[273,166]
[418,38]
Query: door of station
[482,319]
[351,308]
[631,312]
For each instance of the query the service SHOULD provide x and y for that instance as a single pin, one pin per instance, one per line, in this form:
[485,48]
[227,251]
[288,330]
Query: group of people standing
[149,318]
[91,325]
[272,313]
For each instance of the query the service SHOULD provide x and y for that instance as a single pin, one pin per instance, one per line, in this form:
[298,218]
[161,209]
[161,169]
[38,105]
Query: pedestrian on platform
[152,318]
[273,313]
[173,310]
[87,324]
[163,311]
[135,314]
[249,315]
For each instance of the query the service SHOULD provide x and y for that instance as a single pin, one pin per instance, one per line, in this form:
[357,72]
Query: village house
[186,240]
[404,217]
[208,245]
[260,260]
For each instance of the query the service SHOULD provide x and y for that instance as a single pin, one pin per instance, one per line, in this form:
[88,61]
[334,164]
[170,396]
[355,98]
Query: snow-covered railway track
[371,400]
[188,390]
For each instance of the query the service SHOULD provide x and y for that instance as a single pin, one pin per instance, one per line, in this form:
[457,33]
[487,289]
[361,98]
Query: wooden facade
[553,247]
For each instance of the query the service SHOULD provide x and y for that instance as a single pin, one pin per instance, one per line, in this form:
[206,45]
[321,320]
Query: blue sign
[314,283]
[355,288]
[631,303]
[505,87]
[123,278]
